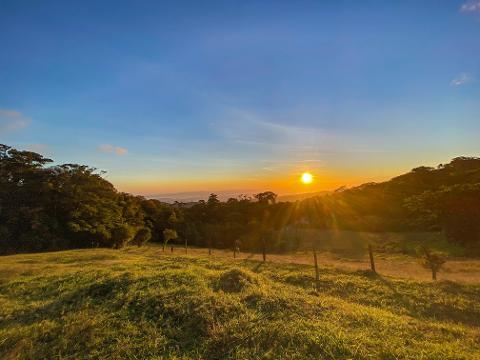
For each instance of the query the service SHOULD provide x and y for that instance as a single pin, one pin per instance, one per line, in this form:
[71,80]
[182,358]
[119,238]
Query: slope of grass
[132,304]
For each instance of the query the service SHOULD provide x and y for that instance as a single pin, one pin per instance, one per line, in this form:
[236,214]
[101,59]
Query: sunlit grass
[141,304]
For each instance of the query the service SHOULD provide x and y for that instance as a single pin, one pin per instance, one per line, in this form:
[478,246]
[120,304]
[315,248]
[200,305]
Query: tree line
[51,207]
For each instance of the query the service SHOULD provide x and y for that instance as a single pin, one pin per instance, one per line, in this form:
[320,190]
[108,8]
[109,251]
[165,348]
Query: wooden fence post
[372,260]
[186,246]
[264,250]
[317,274]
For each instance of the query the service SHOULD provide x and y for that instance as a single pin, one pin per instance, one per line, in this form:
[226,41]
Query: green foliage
[455,209]
[65,206]
[168,235]
[121,235]
[106,304]
[156,217]
[143,236]
[266,197]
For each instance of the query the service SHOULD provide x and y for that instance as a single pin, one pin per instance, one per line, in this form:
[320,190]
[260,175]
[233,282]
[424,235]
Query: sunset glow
[307,178]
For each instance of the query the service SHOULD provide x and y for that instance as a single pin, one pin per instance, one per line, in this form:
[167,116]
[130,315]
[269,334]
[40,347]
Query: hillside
[301,196]
[139,303]
[445,198]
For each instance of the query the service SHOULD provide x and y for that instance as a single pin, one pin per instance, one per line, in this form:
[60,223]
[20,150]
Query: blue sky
[216,95]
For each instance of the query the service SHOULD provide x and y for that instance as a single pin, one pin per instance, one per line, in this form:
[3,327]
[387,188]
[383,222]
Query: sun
[307,178]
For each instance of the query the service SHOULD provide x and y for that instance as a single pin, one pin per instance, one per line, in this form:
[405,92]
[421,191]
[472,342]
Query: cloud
[11,120]
[120,151]
[471,6]
[461,79]
[110,149]
[255,130]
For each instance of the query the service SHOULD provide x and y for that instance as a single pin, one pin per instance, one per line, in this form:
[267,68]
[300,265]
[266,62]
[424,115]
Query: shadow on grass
[93,294]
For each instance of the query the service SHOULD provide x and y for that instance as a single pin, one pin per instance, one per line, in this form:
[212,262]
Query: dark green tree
[454,209]
[143,236]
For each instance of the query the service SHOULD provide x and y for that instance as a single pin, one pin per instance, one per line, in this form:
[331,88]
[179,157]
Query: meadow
[141,303]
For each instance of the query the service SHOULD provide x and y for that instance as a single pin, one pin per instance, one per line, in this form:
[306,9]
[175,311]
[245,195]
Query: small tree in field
[433,261]
[168,234]
[143,235]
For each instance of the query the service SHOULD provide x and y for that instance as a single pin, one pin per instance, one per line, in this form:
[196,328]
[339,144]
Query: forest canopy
[52,207]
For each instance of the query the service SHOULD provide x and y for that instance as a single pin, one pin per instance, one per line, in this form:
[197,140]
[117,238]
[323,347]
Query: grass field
[143,304]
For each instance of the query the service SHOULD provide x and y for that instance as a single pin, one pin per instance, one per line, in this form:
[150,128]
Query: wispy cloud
[471,6]
[250,128]
[296,144]
[461,79]
[303,142]
[11,120]
[110,149]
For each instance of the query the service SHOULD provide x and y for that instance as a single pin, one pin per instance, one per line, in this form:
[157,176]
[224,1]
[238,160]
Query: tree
[88,208]
[168,234]
[25,202]
[213,200]
[143,236]
[454,209]
[432,260]
[173,220]
[121,235]
[266,197]
[156,215]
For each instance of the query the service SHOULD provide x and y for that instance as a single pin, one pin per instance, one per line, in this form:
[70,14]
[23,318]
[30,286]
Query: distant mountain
[194,196]
[301,196]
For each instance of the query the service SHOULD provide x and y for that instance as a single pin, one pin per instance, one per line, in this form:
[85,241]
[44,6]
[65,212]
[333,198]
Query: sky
[174,96]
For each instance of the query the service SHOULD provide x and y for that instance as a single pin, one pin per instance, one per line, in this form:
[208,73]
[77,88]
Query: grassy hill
[142,304]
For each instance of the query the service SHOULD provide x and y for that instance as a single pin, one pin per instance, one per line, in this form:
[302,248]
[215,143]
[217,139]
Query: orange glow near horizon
[283,179]
[289,184]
